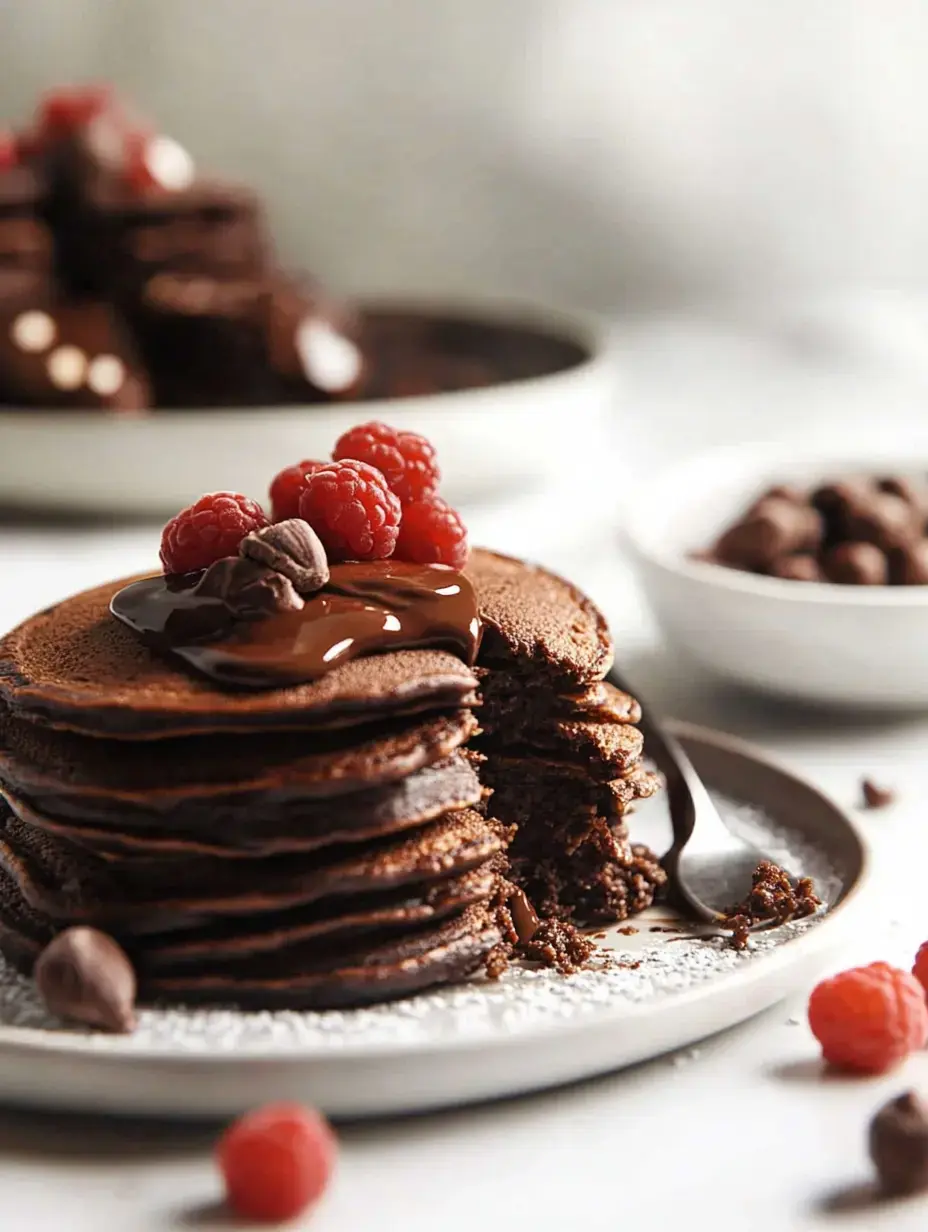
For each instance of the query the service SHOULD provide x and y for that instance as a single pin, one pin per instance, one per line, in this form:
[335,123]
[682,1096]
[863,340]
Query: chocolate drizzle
[365,608]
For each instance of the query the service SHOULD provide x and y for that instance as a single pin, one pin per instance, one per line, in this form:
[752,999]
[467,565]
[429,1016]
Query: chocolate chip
[883,518]
[908,566]
[874,796]
[524,918]
[913,491]
[899,1145]
[85,975]
[292,548]
[248,589]
[856,564]
[799,568]
[774,527]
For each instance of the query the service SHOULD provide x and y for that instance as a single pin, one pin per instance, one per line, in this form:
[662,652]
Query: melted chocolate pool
[366,608]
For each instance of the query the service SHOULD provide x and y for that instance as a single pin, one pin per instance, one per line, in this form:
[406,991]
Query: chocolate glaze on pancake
[75,666]
[364,609]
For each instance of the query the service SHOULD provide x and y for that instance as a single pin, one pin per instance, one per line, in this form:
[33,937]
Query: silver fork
[708,868]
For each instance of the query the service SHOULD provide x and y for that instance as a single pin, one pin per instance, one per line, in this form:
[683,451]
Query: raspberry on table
[276,1161]
[206,531]
[351,509]
[286,488]
[407,460]
[869,1018]
[432,533]
[920,969]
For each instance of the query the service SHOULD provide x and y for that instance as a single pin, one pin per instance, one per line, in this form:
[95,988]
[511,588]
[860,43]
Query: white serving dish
[505,437]
[816,643]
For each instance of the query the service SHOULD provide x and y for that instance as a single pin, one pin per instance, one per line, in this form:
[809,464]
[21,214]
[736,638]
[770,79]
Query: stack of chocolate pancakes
[325,843]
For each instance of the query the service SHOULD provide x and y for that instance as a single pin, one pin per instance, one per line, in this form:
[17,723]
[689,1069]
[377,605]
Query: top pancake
[76,667]
[535,621]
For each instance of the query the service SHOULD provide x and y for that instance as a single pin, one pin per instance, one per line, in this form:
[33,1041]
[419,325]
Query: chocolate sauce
[366,608]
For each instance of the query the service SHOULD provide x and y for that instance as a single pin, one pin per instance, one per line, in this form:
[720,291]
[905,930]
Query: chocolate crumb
[898,1143]
[497,962]
[85,975]
[560,945]
[773,898]
[628,930]
[875,796]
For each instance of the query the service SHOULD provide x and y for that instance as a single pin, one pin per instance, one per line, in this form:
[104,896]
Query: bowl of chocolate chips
[800,573]
[153,344]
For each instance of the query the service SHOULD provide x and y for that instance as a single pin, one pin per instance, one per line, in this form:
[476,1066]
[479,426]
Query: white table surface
[743,1131]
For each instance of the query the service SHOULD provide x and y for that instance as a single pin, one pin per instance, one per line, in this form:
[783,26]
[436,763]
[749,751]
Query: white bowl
[507,436]
[812,642]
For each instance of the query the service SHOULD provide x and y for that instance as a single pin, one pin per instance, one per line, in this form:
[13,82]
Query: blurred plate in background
[503,437]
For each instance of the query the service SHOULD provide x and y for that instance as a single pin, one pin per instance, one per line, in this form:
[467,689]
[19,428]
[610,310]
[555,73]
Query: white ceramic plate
[533,1029]
[505,437]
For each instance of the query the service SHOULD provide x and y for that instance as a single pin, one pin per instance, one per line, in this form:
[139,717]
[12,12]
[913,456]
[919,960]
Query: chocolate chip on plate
[84,975]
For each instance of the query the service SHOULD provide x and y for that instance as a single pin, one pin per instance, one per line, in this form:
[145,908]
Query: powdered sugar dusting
[636,969]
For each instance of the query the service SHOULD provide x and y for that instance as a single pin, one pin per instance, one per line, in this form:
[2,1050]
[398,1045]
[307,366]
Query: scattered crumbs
[875,796]
[627,930]
[664,928]
[772,899]
[599,936]
[793,1021]
[559,945]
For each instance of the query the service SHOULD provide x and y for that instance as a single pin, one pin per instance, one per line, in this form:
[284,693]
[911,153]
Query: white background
[608,152]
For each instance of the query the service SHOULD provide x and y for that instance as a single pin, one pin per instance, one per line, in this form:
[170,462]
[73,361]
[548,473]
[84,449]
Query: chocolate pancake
[241,788]
[74,666]
[512,705]
[357,968]
[61,880]
[603,750]
[442,955]
[536,624]
[447,785]
[235,937]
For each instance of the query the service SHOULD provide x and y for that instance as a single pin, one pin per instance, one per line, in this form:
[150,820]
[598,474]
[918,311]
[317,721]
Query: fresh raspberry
[920,970]
[351,509]
[208,530]
[407,460]
[276,1161]
[62,112]
[286,488]
[869,1018]
[432,533]
[9,150]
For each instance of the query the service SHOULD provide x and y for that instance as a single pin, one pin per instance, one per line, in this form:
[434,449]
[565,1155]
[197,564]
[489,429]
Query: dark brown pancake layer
[63,881]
